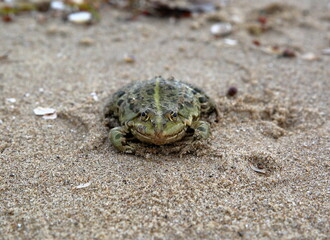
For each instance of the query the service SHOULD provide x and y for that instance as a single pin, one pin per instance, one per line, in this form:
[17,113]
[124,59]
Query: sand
[264,174]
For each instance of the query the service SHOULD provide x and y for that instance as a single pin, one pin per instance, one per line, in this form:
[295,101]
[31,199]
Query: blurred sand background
[62,179]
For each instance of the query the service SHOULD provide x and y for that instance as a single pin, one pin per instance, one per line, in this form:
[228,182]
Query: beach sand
[264,174]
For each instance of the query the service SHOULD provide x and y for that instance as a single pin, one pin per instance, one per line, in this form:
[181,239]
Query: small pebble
[42,6]
[326,51]
[78,2]
[230,42]
[221,29]
[7,18]
[255,29]
[288,53]
[256,42]
[94,96]
[57,5]
[129,58]
[262,20]
[272,50]
[236,19]
[195,25]
[80,17]
[86,41]
[11,100]
[310,56]
[232,91]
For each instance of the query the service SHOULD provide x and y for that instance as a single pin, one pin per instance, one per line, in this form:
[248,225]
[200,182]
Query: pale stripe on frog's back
[159,113]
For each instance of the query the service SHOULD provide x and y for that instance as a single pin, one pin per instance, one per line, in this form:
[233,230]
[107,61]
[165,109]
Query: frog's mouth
[159,138]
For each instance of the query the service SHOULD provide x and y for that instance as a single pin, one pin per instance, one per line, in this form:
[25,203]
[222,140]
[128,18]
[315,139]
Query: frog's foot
[202,130]
[118,139]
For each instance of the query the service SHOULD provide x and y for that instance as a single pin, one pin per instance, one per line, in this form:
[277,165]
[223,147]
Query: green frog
[158,111]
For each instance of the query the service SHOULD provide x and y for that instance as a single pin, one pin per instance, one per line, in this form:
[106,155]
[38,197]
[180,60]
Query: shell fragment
[80,17]
[83,185]
[221,29]
[46,113]
[40,111]
[11,100]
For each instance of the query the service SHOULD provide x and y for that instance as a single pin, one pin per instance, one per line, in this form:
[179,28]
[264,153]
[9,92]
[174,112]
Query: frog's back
[157,95]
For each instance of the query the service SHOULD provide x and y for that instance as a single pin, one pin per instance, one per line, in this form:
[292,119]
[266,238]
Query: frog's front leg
[118,138]
[202,130]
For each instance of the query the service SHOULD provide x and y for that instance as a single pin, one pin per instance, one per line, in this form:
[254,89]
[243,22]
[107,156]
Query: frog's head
[158,128]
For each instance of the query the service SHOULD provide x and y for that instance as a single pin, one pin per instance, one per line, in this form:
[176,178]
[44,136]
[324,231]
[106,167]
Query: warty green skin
[158,111]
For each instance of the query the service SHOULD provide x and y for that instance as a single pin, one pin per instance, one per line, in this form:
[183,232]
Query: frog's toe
[118,139]
[129,149]
[202,130]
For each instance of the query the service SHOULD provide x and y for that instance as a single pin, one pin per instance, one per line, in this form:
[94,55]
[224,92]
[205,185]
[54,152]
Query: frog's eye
[173,116]
[144,116]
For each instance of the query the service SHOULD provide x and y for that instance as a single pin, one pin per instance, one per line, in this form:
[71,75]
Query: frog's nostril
[158,131]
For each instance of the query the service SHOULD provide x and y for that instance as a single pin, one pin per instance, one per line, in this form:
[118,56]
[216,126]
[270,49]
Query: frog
[158,111]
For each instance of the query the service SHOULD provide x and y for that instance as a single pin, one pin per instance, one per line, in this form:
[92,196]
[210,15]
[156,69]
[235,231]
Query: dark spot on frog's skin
[165,105]
[201,129]
[131,107]
[186,96]
[120,93]
[194,92]
[118,136]
[197,90]
[202,99]
[131,100]
[188,104]
[169,87]
[170,95]
[150,91]
[180,105]
[175,101]
[120,102]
